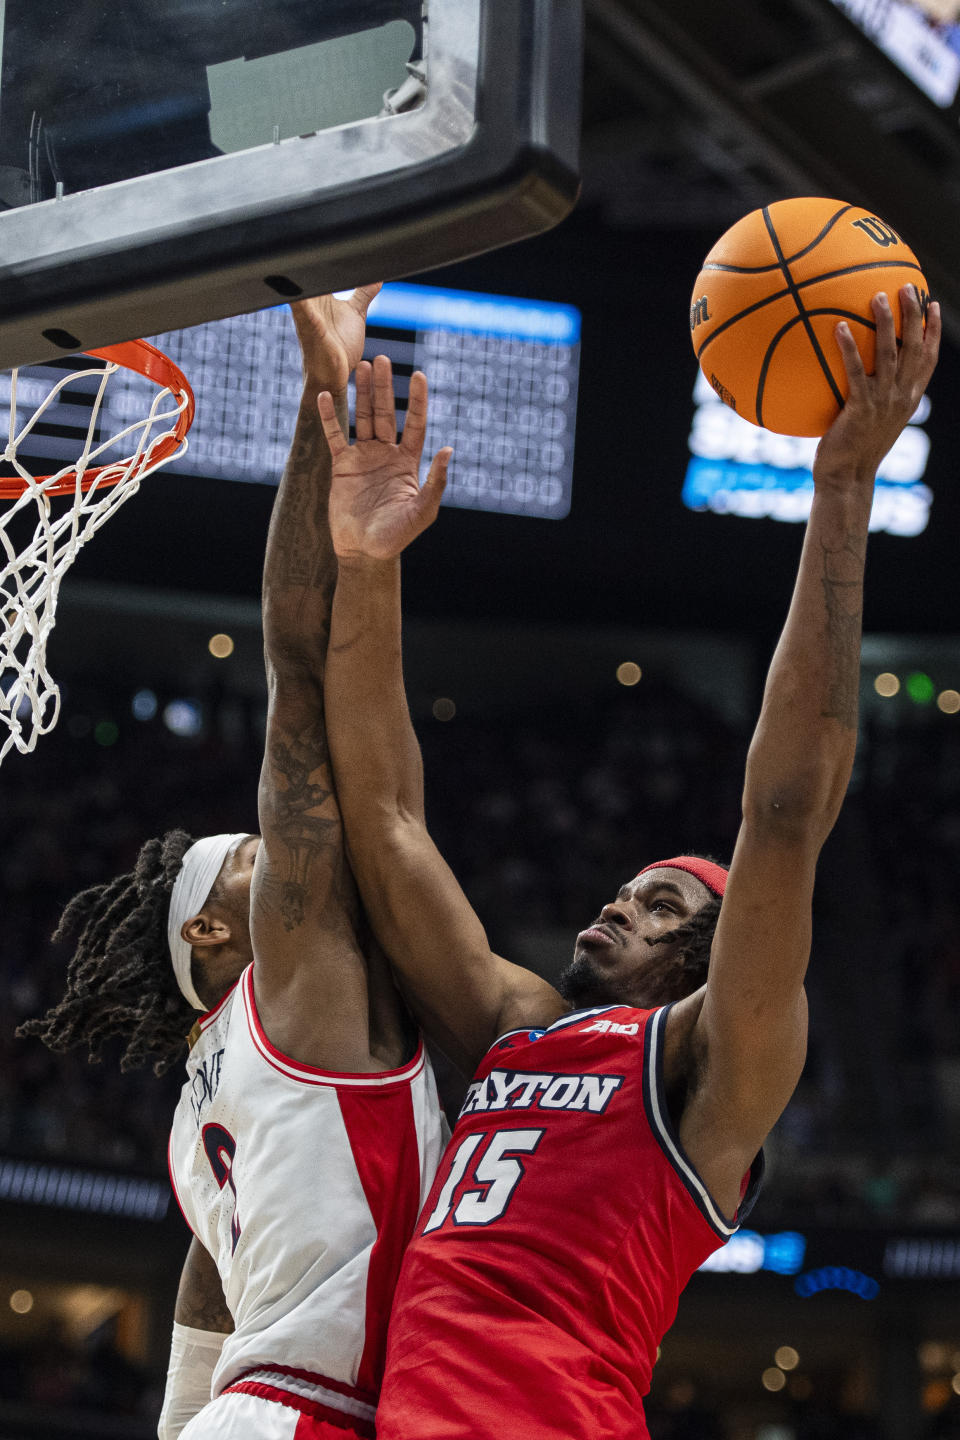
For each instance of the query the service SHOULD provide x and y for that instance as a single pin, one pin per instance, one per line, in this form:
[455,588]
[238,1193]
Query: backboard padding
[489,157]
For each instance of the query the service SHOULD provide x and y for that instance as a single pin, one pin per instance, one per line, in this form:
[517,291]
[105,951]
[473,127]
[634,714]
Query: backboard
[166,162]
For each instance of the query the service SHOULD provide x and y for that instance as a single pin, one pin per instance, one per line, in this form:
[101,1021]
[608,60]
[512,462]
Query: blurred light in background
[886,684]
[747,1252]
[444,708]
[932,1355]
[935,1395]
[836,1277]
[741,469]
[948,701]
[920,688]
[106,733]
[220,646]
[144,705]
[773,1378]
[786,1357]
[21,1302]
[183,718]
[920,1258]
[628,673]
[30,1183]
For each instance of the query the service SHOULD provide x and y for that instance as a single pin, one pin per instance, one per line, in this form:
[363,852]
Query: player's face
[236,873]
[617,960]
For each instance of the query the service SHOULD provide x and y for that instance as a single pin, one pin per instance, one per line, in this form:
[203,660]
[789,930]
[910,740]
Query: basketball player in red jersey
[308,1130]
[602,1154]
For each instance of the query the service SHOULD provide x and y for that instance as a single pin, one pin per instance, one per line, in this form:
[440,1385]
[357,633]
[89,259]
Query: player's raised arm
[750,1038]
[462,993]
[303,909]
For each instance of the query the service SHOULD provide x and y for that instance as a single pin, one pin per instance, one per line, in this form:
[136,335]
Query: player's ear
[205,929]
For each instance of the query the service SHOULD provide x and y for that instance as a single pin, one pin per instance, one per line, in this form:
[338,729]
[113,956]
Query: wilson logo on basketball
[723,392]
[878,230]
[698,312]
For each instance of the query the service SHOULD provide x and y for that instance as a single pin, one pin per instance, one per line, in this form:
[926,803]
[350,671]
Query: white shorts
[236,1416]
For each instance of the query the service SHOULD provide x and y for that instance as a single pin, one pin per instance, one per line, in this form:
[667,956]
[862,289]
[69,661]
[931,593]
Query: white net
[48,518]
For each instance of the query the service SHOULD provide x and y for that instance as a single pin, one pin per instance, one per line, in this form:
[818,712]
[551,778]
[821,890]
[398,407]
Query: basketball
[767,302]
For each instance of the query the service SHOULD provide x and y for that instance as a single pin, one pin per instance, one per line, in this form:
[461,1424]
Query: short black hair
[120,978]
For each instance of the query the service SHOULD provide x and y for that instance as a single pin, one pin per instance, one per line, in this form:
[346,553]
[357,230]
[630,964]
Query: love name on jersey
[529,1090]
[205,1083]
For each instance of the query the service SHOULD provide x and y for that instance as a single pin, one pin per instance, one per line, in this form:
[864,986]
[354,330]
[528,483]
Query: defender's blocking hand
[377,505]
[331,334]
[879,405]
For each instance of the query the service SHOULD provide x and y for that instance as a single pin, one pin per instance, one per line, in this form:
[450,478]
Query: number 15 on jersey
[483,1175]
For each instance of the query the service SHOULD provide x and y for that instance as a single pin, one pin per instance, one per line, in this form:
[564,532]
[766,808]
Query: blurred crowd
[542,817]
[56,1383]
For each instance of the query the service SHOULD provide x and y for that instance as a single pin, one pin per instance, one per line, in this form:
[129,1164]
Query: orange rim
[146,360]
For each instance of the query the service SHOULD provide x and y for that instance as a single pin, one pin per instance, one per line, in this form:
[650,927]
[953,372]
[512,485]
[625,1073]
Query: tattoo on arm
[842,581]
[200,1301]
[299,815]
[301,787]
[299,549]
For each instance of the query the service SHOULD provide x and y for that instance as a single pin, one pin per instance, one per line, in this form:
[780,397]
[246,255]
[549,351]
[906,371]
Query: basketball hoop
[91,488]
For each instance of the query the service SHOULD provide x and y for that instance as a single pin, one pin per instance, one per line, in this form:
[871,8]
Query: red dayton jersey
[564,1221]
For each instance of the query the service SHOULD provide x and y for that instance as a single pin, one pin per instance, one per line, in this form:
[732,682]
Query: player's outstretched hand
[377,505]
[331,334]
[879,405]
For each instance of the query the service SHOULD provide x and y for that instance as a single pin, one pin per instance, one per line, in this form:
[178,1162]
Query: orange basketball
[767,302]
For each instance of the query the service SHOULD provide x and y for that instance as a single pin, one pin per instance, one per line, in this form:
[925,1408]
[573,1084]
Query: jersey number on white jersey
[221,1147]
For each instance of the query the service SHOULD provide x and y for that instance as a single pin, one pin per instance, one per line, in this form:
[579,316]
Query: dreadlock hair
[120,980]
[695,936]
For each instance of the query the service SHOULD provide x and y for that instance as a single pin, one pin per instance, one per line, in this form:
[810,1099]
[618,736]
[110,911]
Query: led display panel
[503,378]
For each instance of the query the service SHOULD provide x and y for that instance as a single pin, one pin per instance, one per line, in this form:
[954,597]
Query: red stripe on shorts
[315,1416]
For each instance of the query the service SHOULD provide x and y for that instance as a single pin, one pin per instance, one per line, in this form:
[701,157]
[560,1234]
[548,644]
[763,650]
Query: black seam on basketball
[802,285]
[798,301]
[822,236]
[851,315]
[795,320]
[740,269]
[768,356]
[845,315]
[732,320]
[763,269]
[852,270]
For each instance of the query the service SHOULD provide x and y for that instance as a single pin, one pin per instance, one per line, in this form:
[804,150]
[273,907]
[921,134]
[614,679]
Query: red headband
[713,876]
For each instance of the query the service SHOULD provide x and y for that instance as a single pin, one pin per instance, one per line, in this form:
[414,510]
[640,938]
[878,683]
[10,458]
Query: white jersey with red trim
[305,1187]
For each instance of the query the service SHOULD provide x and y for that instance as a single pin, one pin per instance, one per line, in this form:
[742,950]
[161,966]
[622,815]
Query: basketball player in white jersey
[309,1129]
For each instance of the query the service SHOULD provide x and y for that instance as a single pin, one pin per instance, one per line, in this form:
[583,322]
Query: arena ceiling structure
[696,112]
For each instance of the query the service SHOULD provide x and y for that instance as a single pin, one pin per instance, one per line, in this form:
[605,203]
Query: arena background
[548,780]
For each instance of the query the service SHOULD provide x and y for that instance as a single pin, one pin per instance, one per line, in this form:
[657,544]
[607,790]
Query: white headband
[198,870]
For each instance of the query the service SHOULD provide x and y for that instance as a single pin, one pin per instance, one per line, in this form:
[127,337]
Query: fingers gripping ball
[767,302]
